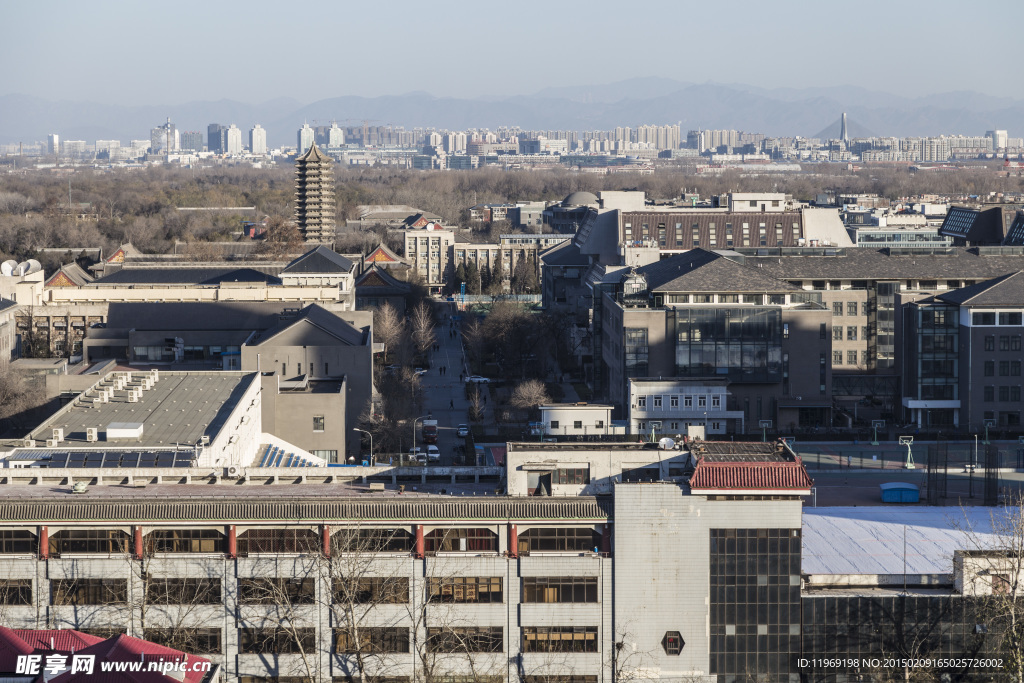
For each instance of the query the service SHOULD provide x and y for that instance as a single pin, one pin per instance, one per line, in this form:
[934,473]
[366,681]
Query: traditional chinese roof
[735,476]
[377,280]
[383,256]
[123,251]
[70,275]
[313,154]
[319,261]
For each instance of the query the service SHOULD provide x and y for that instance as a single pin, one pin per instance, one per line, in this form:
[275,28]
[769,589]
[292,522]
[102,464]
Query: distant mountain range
[633,102]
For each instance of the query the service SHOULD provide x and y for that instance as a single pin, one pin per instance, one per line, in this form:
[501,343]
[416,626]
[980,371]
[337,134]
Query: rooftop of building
[319,261]
[191,274]
[179,408]
[700,270]
[866,263]
[1007,290]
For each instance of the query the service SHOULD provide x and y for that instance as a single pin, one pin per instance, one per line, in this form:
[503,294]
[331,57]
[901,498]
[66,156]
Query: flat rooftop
[859,540]
[178,408]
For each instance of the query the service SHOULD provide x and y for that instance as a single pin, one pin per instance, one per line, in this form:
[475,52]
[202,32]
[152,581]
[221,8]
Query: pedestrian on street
[451,403]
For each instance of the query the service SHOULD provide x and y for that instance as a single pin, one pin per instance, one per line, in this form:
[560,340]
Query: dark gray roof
[184,276]
[294,503]
[565,254]
[7,303]
[194,315]
[321,318]
[1007,290]
[319,261]
[865,263]
[699,270]
[377,281]
[580,198]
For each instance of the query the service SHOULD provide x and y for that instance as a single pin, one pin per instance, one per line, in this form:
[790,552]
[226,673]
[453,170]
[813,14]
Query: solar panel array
[112,459]
[278,457]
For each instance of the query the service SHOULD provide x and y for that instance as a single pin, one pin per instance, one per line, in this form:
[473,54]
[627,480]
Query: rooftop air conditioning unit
[52,443]
[28,443]
[133,396]
[58,434]
[92,434]
[234,471]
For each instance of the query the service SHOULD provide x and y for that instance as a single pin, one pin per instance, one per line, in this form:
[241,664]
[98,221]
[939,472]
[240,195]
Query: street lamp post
[371,441]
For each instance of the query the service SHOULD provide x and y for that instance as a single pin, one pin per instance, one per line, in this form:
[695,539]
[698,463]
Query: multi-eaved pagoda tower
[314,196]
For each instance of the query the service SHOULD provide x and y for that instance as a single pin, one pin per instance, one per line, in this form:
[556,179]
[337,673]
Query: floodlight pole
[984,442]
[371,441]
[874,441]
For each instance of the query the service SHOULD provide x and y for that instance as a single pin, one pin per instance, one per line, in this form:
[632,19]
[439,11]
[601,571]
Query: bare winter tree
[423,327]
[529,394]
[388,326]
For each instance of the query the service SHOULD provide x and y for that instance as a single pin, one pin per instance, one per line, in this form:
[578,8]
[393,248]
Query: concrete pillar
[513,540]
[44,543]
[137,537]
[232,542]
[325,533]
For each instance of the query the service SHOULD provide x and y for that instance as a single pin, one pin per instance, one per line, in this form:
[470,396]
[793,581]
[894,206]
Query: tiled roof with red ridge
[751,476]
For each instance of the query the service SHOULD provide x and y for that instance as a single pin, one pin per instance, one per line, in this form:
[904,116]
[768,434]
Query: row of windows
[991,318]
[1007,342]
[577,424]
[276,591]
[1006,393]
[851,357]
[851,308]
[257,541]
[702,400]
[1007,368]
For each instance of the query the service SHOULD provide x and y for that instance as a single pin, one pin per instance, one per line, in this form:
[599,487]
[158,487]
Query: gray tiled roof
[319,261]
[565,254]
[321,318]
[861,263]
[194,315]
[699,270]
[1007,290]
[184,276]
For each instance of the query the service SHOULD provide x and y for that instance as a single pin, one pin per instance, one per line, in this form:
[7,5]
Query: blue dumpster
[900,492]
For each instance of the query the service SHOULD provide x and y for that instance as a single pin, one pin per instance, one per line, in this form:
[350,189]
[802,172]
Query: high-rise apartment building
[164,138]
[53,143]
[258,140]
[192,140]
[234,140]
[335,136]
[305,139]
[216,138]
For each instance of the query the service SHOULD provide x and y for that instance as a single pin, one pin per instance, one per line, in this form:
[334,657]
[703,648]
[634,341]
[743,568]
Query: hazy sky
[144,52]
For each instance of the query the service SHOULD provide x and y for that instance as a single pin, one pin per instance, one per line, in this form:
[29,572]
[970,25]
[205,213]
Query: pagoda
[314,196]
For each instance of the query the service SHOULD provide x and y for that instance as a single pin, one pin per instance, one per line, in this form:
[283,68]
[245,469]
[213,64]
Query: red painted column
[44,543]
[138,542]
[325,532]
[606,539]
[513,540]
[420,545]
[232,542]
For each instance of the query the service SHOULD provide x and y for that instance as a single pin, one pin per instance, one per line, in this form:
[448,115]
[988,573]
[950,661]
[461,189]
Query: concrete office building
[192,140]
[216,138]
[700,315]
[258,140]
[428,250]
[601,563]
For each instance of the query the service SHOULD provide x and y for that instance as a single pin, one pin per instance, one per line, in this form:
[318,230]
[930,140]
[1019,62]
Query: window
[837,308]
[278,541]
[989,394]
[983,318]
[371,590]
[183,592]
[15,591]
[716,402]
[206,641]
[1009,318]
[1015,343]
[468,639]
[1004,342]
[185,541]
[372,540]
[1014,368]
[461,541]
[990,368]
[100,541]
[851,333]
[657,401]
[559,639]
[673,643]
[1004,368]
[88,591]
[276,641]
[371,639]
[16,541]
[641,402]
[702,402]
[276,591]
[577,424]
[1004,393]
[473,589]
[318,423]
[990,342]
[573,475]
[1015,393]
[851,308]
[560,589]
[554,424]
[837,334]
[558,539]
[822,331]
[851,357]
[785,330]
[673,402]
[837,358]
[688,401]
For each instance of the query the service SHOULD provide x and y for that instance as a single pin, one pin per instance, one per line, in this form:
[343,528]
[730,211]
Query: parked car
[463,430]
[433,453]
[420,371]
[477,379]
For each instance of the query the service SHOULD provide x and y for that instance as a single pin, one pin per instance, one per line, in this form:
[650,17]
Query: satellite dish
[7,267]
[21,268]
[33,266]
[666,444]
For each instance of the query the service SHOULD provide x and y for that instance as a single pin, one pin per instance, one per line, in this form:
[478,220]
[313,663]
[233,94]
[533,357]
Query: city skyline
[87,45]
